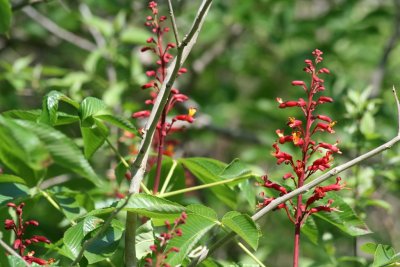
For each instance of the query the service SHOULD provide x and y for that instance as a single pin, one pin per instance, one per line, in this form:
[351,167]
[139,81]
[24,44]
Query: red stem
[299,211]
[160,151]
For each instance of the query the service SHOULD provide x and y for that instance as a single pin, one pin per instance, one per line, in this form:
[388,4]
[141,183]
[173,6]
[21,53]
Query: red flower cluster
[301,136]
[159,254]
[20,242]
[162,52]
[165,126]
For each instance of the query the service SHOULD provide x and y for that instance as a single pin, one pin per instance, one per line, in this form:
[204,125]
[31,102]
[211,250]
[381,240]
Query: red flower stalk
[302,136]
[159,251]
[21,242]
[161,50]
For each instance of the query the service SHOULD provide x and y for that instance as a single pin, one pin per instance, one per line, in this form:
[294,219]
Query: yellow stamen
[192,111]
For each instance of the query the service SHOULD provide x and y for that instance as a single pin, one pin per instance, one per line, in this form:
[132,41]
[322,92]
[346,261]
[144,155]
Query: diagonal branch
[310,185]
[173,21]
[57,30]
[11,251]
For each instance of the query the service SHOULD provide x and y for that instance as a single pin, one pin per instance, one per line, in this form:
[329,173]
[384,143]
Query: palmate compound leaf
[199,222]
[244,226]
[63,150]
[210,170]
[345,219]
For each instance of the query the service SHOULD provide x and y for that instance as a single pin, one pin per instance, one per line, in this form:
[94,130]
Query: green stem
[169,176]
[248,252]
[194,188]
[130,234]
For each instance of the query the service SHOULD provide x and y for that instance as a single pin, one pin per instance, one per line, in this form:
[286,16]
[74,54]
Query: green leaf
[22,151]
[369,248]
[104,247]
[153,207]
[68,201]
[383,255]
[12,191]
[204,211]
[346,219]
[144,239]
[75,235]
[310,230]
[91,106]
[8,178]
[5,15]
[50,106]
[62,149]
[15,261]
[29,115]
[207,171]
[193,230]
[119,122]
[244,226]
[93,138]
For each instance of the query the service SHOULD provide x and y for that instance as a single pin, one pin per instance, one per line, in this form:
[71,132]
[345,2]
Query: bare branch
[307,187]
[173,21]
[11,251]
[57,30]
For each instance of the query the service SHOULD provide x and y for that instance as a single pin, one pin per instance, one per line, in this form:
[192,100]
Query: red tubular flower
[20,243]
[302,132]
[141,114]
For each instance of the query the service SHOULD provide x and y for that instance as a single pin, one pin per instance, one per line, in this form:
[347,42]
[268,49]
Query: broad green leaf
[134,35]
[207,171]
[62,149]
[193,230]
[9,178]
[346,219]
[74,236]
[383,255]
[204,211]
[33,115]
[369,248]
[105,246]
[244,226]
[119,122]
[50,106]
[29,115]
[68,201]
[93,138]
[235,169]
[153,207]
[12,191]
[144,239]
[310,230]
[90,107]
[22,151]
[5,15]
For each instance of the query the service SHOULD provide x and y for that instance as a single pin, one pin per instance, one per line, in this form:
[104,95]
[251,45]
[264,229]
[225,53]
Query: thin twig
[248,252]
[11,251]
[307,187]
[57,30]
[173,21]
[169,176]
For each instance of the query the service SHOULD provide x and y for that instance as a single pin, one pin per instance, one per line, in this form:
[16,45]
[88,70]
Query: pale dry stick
[11,251]
[173,21]
[139,165]
[57,30]
[308,186]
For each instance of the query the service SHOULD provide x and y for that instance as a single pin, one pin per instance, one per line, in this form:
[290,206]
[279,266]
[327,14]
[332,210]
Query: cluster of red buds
[21,242]
[157,46]
[301,136]
[159,252]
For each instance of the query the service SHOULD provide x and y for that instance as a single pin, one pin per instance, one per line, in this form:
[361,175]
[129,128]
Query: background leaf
[5,15]
[244,226]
